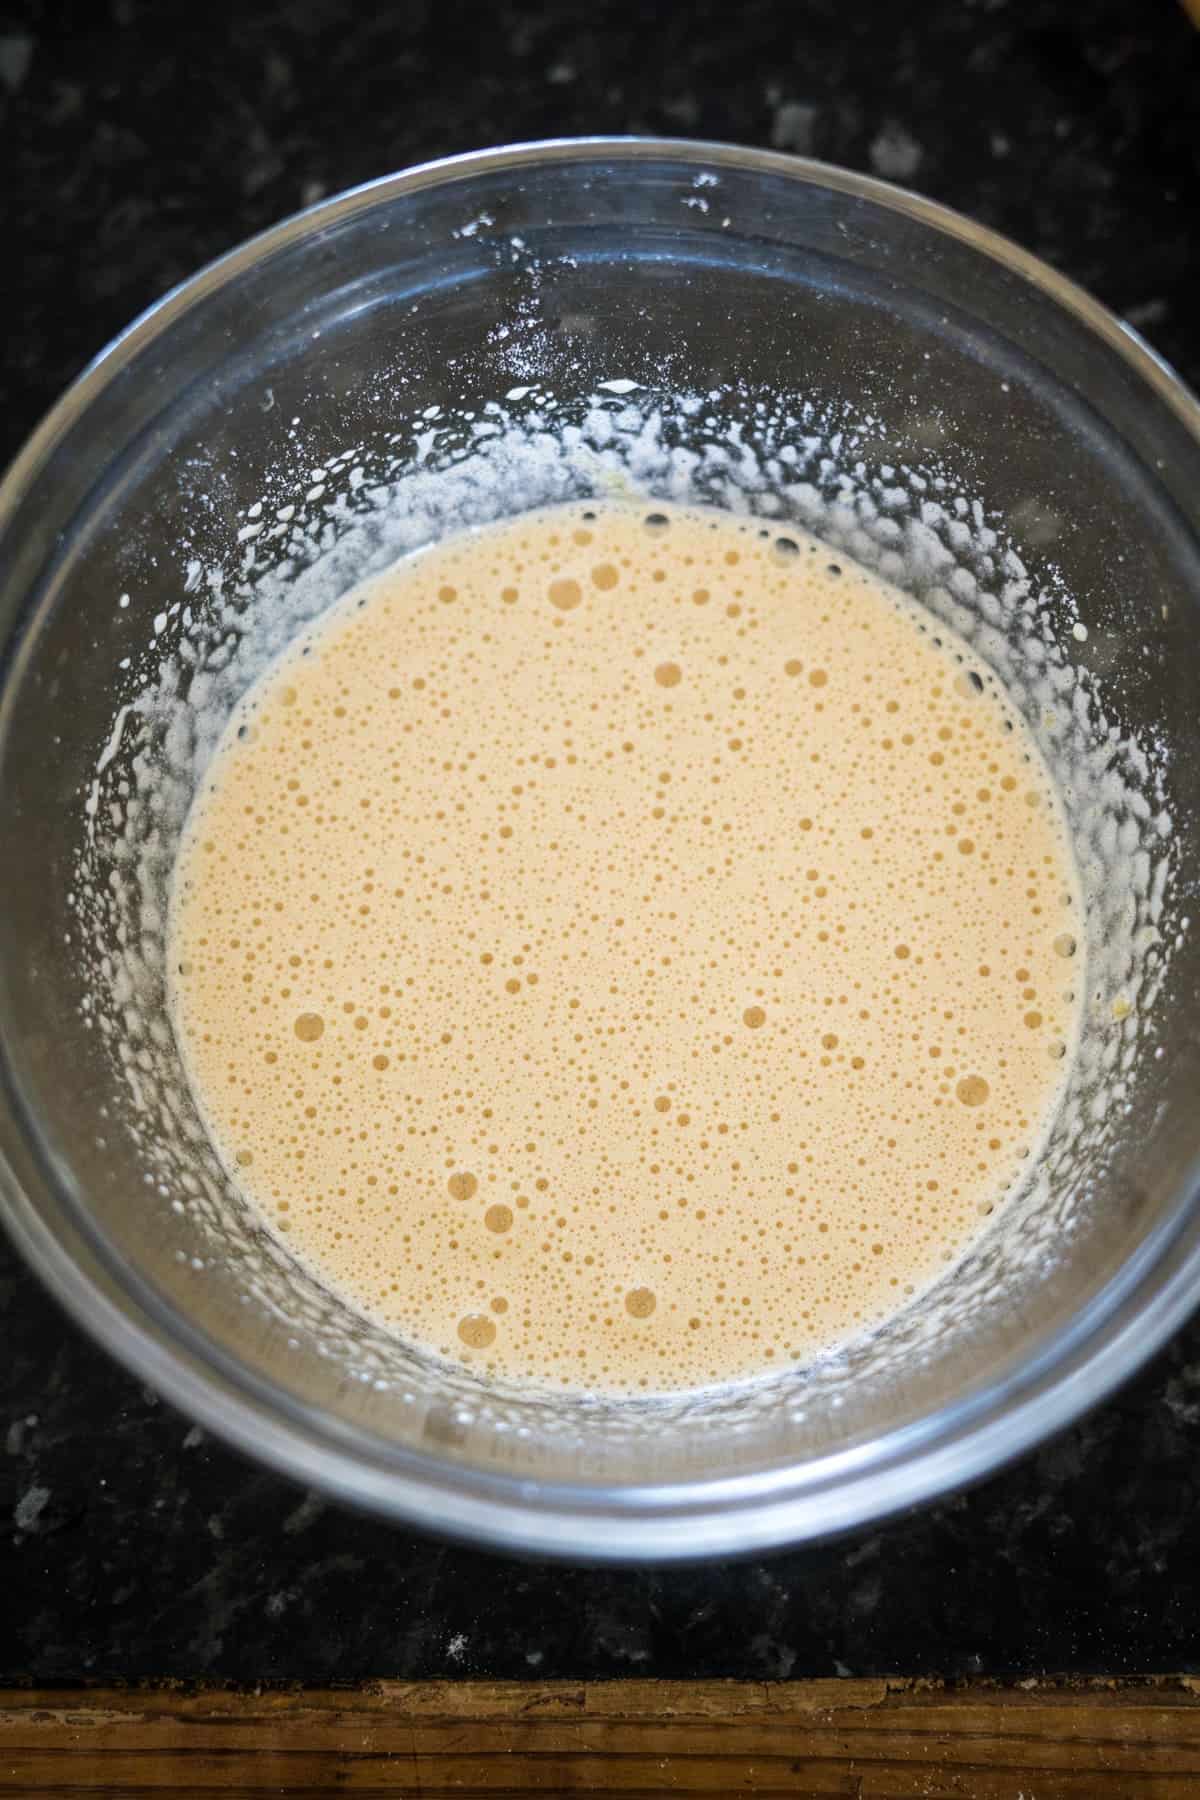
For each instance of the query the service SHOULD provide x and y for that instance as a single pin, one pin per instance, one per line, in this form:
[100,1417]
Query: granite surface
[137,141]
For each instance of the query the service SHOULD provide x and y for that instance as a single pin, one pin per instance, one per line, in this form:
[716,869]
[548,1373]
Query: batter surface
[626,949]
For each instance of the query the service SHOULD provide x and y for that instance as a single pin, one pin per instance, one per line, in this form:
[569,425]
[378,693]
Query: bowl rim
[1129,1318]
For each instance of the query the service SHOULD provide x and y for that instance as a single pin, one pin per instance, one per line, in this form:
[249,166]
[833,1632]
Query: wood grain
[862,1740]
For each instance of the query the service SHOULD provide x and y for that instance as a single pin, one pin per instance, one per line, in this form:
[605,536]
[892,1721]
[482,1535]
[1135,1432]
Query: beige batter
[626,950]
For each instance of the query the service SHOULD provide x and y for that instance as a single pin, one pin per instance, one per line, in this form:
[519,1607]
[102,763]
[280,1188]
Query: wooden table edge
[886,1738]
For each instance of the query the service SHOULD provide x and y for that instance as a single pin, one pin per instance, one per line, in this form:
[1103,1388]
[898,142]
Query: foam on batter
[627,950]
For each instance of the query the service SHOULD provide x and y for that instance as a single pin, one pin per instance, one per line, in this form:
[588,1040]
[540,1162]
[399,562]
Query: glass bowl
[698,321]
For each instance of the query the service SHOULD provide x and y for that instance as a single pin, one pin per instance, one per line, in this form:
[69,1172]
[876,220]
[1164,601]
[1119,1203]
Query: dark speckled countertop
[137,142]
